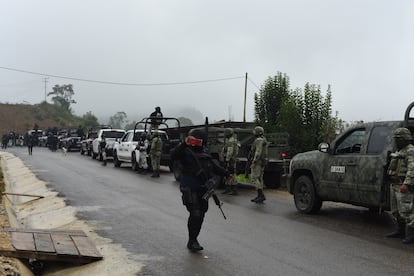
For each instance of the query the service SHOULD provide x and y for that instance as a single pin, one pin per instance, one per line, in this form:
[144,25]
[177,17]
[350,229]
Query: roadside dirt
[8,266]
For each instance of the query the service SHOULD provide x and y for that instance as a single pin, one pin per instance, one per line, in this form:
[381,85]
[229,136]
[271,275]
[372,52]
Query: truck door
[338,182]
[124,144]
[371,166]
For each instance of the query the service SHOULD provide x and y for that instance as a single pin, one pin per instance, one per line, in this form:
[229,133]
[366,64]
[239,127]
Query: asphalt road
[147,218]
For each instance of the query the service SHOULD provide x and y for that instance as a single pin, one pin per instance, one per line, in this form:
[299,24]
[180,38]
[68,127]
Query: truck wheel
[117,163]
[177,170]
[306,200]
[134,162]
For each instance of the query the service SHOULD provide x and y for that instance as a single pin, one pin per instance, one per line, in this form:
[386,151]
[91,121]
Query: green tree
[118,119]
[62,96]
[269,100]
[305,114]
[89,121]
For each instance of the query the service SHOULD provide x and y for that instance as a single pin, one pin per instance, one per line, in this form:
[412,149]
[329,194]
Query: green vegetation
[304,113]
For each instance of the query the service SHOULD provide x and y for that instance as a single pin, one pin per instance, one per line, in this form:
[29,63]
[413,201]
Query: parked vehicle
[168,142]
[352,169]
[278,149]
[126,151]
[86,144]
[111,135]
[71,141]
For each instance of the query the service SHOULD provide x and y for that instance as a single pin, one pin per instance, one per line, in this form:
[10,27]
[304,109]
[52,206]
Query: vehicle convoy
[86,144]
[352,169]
[278,149]
[111,134]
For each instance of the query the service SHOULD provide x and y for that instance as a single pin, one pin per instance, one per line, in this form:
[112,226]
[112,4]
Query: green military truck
[278,149]
[352,169]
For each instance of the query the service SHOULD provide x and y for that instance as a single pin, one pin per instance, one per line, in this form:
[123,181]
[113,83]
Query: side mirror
[324,147]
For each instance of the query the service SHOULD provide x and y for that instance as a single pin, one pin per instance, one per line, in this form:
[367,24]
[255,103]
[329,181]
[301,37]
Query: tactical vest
[398,167]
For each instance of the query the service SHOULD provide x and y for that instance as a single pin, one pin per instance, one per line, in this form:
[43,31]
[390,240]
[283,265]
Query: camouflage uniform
[401,173]
[259,161]
[229,153]
[155,153]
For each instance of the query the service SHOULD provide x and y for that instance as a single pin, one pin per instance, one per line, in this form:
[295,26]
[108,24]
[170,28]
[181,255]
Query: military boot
[194,246]
[261,197]
[155,174]
[399,231]
[409,235]
[254,199]
[233,189]
[227,190]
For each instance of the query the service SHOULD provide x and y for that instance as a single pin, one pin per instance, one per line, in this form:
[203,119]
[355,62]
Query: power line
[253,83]
[120,83]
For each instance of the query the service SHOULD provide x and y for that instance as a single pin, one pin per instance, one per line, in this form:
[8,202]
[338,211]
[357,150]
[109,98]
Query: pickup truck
[86,144]
[278,152]
[111,135]
[352,169]
[71,141]
[125,150]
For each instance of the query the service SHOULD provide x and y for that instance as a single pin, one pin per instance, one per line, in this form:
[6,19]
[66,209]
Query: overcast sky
[363,49]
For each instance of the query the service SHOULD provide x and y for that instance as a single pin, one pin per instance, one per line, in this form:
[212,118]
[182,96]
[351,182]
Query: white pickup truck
[111,135]
[125,150]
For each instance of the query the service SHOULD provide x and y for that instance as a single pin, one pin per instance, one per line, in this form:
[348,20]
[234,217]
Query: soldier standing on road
[102,146]
[401,174]
[30,141]
[229,154]
[259,161]
[197,167]
[155,153]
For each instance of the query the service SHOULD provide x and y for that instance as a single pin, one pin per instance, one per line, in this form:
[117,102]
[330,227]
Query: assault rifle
[210,184]
[247,169]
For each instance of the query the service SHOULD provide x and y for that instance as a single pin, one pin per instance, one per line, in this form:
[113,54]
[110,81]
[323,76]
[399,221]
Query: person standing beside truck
[259,161]
[155,153]
[401,175]
[229,154]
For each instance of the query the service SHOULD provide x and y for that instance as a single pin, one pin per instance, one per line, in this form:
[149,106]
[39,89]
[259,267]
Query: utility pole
[245,93]
[45,80]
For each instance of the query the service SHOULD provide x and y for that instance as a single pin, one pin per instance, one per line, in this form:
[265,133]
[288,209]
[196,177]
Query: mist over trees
[118,120]
[306,114]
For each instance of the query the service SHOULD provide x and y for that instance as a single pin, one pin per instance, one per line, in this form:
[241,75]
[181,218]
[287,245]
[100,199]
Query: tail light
[283,155]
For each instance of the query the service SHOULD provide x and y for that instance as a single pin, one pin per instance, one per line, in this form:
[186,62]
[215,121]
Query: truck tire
[134,163]
[117,163]
[305,197]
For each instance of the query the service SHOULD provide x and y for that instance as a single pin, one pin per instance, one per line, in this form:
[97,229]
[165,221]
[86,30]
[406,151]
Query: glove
[404,188]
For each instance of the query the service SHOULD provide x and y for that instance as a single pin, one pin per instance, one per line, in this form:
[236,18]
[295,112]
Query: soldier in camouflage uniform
[259,161]
[229,154]
[401,174]
[155,153]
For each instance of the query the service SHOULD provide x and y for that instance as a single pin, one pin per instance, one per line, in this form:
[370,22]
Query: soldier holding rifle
[198,171]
